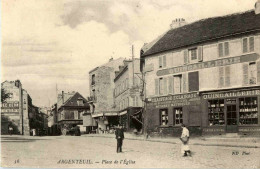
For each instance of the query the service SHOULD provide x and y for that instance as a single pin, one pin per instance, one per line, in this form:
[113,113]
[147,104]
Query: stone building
[128,87]
[206,75]
[71,108]
[102,92]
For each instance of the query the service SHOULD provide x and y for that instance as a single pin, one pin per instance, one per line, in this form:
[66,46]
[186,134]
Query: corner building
[206,75]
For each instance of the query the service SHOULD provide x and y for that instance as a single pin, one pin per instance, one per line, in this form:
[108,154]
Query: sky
[54,44]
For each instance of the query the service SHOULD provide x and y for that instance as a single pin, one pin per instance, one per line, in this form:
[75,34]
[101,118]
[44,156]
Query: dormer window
[80,102]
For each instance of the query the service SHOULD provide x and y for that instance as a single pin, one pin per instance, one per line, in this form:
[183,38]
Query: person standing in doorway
[119,137]
[185,149]
[10,129]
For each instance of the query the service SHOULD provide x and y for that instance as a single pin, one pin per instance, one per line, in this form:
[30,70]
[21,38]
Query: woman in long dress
[185,149]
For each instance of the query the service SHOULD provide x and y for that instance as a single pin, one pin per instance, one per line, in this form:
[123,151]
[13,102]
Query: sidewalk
[245,142]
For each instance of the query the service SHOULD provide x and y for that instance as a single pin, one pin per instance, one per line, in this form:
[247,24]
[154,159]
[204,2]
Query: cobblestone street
[94,152]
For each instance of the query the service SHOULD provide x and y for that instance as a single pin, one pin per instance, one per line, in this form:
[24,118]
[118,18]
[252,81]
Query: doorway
[231,116]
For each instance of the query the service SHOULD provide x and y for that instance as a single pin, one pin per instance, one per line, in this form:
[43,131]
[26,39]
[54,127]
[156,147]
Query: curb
[199,144]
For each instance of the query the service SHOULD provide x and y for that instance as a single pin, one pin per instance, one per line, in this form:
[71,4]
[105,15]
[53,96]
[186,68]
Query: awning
[122,113]
[97,115]
[111,114]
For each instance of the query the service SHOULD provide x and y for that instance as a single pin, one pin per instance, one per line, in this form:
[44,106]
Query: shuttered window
[162,61]
[223,49]
[185,82]
[177,84]
[220,50]
[251,44]
[226,47]
[156,87]
[170,84]
[186,59]
[200,53]
[165,89]
[252,73]
[258,71]
[227,76]
[161,87]
[245,45]
[245,74]
[193,81]
[221,77]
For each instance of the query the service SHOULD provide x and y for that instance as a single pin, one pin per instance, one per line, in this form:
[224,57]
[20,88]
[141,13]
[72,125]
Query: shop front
[165,114]
[231,111]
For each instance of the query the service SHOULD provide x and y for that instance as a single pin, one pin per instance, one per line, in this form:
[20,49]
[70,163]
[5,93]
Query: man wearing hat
[119,137]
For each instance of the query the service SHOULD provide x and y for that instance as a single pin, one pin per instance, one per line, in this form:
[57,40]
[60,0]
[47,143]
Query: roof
[205,30]
[72,101]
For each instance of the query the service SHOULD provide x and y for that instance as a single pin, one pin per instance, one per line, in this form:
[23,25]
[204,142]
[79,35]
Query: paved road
[94,152]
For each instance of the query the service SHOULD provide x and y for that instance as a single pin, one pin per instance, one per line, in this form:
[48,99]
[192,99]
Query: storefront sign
[173,101]
[213,130]
[231,94]
[209,64]
[248,129]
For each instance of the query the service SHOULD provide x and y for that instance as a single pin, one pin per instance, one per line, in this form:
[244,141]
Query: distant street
[93,152]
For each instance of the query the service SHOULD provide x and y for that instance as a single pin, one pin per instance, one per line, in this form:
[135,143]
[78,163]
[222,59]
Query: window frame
[179,118]
[248,46]
[166,116]
[190,51]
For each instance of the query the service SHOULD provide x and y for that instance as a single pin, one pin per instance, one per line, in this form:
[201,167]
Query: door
[231,116]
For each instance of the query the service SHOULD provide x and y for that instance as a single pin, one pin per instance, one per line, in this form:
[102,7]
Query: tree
[4,95]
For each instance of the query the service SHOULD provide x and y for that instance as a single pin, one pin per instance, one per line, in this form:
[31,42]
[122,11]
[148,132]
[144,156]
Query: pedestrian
[10,129]
[119,137]
[185,149]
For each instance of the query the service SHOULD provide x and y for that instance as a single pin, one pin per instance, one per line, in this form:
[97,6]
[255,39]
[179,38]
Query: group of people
[185,149]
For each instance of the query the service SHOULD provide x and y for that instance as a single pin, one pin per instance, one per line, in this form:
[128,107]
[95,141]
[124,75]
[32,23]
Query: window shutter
[156,87]
[184,80]
[227,76]
[160,62]
[220,49]
[186,59]
[164,61]
[245,74]
[221,77]
[193,78]
[258,71]
[226,45]
[170,84]
[200,53]
[165,90]
[244,45]
[170,63]
[251,44]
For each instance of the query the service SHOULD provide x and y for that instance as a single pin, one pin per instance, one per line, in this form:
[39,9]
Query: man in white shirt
[185,140]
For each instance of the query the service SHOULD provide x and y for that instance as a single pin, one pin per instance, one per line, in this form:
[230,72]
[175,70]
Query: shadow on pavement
[19,139]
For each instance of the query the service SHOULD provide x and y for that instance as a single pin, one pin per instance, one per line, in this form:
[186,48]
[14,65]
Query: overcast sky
[49,42]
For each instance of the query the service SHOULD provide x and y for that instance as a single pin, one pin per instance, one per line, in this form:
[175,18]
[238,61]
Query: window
[94,95]
[248,111]
[164,117]
[178,116]
[162,61]
[252,73]
[161,86]
[193,54]
[69,115]
[93,80]
[80,102]
[80,112]
[177,84]
[248,44]
[223,49]
[216,112]
[224,76]
[193,81]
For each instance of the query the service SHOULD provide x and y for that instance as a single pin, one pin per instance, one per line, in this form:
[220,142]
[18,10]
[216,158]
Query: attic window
[80,102]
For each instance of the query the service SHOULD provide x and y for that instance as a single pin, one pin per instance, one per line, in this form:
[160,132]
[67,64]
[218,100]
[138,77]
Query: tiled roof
[73,101]
[205,30]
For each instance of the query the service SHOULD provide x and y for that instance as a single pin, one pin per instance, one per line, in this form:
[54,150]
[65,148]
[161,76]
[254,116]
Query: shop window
[216,112]
[248,111]
[177,84]
[164,117]
[178,116]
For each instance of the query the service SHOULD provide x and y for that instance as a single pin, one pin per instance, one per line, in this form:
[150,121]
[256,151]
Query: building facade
[128,87]
[70,112]
[206,75]
[101,86]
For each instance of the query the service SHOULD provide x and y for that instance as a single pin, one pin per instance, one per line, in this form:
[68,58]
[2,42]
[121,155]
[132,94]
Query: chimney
[178,22]
[257,7]
[62,96]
